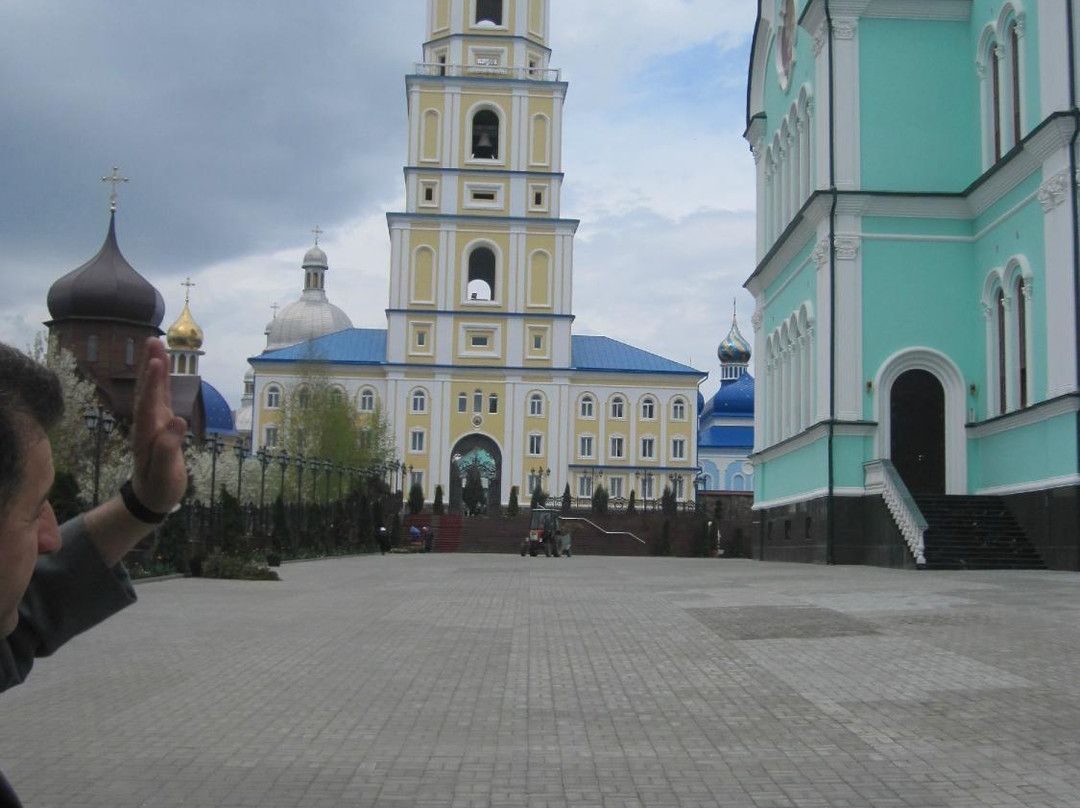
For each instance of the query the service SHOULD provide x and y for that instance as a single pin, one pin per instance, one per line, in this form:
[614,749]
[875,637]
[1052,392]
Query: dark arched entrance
[481,454]
[917,431]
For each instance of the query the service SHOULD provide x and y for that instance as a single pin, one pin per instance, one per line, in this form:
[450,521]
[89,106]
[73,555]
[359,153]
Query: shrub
[438,507]
[512,508]
[539,498]
[221,566]
[631,505]
[668,504]
[567,500]
[473,493]
[416,499]
[600,500]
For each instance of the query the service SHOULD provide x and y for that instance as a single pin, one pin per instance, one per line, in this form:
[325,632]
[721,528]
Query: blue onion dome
[734,349]
[700,402]
[735,397]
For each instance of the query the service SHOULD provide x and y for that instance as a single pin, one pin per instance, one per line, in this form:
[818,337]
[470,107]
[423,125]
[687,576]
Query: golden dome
[185,333]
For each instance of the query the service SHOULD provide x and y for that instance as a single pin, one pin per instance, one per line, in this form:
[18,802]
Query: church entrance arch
[479,457]
[917,436]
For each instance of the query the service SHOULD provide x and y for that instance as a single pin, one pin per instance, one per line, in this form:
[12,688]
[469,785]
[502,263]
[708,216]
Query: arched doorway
[479,455]
[917,431]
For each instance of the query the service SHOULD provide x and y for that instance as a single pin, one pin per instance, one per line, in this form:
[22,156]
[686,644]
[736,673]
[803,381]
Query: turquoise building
[917,316]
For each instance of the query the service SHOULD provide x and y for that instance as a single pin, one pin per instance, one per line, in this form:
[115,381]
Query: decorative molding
[1021,21]
[987,311]
[756,319]
[847,248]
[980,70]
[1025,488]
[1052,192]
[821,36]
[821,253]
[1043,411]
[1026,288]
[846,28]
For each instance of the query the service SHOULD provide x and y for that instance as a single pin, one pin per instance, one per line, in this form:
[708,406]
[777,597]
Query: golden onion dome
[185,333]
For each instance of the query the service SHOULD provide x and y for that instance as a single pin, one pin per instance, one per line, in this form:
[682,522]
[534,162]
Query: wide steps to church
[974,533]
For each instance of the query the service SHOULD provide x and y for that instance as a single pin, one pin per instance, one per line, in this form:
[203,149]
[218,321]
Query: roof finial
[318,231]
[275,308]
[734,309]
[187,292]
[115,179]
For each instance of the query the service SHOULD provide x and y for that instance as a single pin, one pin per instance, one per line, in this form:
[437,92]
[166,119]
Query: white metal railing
[605,532]
[881,476]
[487,71]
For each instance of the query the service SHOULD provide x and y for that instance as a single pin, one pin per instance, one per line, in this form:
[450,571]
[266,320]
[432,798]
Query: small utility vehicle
[546,535]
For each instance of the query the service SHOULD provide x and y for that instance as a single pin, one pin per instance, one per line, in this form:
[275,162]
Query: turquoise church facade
[917,318]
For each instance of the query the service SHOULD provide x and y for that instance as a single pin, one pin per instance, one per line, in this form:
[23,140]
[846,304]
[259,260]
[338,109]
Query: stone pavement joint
[478,681]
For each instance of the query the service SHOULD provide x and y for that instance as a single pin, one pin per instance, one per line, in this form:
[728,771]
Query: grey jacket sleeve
[71,590]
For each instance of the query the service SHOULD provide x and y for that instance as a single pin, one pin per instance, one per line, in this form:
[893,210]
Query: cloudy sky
[244,124]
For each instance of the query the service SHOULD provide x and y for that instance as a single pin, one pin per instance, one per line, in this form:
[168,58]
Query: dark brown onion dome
[106,287]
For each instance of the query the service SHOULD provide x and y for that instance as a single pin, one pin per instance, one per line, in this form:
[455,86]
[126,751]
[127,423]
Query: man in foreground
[78,580]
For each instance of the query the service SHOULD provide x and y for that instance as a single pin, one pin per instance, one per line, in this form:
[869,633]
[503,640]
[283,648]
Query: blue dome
[735,397]
[219,418]
[734,350]
[700,402]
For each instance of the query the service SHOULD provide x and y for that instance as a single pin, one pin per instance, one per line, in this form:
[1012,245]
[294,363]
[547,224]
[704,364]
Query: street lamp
[283,461]
[327,468]
[216,446]
[240,450]
[298,461]
[263,456]
[100,422]
[314,465]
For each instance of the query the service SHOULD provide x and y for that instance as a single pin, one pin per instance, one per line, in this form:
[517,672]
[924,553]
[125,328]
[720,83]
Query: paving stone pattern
[593,682]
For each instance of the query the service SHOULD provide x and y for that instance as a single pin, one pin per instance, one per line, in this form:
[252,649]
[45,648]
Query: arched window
[485,135]
[999,314]
[1019,297]
[648,409]
[490,11]
[270,437]
[587,407]
[617,407]
[1014,77]
[419,401]
[183,365]
[482,274]
[536,405]
[336,396]
[303,398]
[678,410]
[995,90]
[129,352]
[462,402]
[493,403]
[478,402]
[92,348]
[273,397]
[367,400]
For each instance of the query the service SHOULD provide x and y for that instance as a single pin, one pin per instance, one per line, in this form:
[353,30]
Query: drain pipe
[830,517]
[1070,34]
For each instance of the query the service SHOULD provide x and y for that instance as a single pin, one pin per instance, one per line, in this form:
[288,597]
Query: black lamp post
[314,465]
[240,450]
[263,456]
[216,446]
[100,422]
[283,461]
[299,462]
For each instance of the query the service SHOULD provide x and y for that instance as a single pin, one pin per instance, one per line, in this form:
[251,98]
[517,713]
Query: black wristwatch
[136,508]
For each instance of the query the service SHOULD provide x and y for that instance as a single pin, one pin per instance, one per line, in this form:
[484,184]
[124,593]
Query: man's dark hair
[30,395]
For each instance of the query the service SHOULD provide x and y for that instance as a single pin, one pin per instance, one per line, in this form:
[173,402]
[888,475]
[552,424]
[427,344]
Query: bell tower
[481,262]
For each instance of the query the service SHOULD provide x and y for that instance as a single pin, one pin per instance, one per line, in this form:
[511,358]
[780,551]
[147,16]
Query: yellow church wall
[441,17]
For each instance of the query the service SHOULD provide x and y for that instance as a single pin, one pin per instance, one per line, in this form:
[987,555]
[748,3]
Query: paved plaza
[591,682]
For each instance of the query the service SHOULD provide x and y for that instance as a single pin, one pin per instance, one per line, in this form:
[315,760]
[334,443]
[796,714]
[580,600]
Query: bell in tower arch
[485,136]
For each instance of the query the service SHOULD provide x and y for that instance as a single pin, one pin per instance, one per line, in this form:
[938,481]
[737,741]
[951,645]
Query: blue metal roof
[358,346]
[727,437]
[367,346]
[604,354]
[219,418]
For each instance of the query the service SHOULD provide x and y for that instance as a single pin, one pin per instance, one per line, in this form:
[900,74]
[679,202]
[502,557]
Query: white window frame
[417,441]
[677,405]
[471,188]
[619,402]
[678,448]
[536,405]
[466,332]
[617,447]
[586,445]
[271,436]
[419,395]
[585,486]
[365,394]
[536,444]
[273,390]
[590,401]
[544,191]
[648,447]
[421,202]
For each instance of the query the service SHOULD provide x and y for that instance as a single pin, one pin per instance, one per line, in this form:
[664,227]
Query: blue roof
[219,418]
[604,354]
[726,437]
[359,346]
[367,346]
[734,398]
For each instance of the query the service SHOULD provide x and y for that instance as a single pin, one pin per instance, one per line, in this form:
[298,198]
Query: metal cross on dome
[318,231]
[115,179]
[187,292]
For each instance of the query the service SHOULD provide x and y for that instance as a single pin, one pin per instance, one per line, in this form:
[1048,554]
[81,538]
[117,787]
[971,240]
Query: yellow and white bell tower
[481,263]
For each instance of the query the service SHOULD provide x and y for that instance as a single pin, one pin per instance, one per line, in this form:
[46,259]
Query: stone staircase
[974,533]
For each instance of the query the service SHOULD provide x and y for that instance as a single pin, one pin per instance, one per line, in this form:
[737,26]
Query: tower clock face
[785,43]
